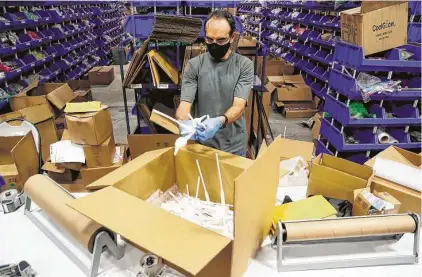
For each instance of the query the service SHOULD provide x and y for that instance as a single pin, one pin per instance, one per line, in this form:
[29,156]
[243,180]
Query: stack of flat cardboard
[89,125]
[292,96]
[191,52]
[161,69]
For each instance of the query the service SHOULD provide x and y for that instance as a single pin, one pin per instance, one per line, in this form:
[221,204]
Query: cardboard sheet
[166,66]
[52,199]
[187,238]
[348,227]
[93,106]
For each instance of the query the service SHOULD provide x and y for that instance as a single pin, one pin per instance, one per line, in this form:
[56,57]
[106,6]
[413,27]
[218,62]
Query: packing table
[20,240]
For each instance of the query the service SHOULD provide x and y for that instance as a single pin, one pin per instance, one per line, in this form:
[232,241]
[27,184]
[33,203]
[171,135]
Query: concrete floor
[112,96]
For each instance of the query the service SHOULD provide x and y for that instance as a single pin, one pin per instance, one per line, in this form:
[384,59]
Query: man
[217,84]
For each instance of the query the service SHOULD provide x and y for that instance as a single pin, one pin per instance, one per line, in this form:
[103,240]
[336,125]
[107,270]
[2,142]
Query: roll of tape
[151,265]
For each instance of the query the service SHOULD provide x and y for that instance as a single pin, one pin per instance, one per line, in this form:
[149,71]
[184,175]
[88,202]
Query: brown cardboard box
[362,207]
[42,118]
[337,178]
[56,95]
[89,175]
[18,160]
[294,148]
[79,85]
[246,41]
[274,66]
[139,144]
[91,128]
[266,98]
[190,248]
[101,75]
[248,114]
[376,26]
[317,126]
[410,199]
[100,155]
[60,174]
[289,88]
[298,110]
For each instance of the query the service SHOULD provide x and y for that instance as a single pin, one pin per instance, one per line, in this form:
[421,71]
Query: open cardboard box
[376,26]
[337,178]
[410,199]
[18,160]
[42,118]
[189,248]
[56,95]
[139,144]
[274,66]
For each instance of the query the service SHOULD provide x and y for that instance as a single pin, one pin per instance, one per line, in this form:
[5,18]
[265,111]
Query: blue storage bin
[346,85]
[414,7]
[414,32]
[352,56]
[359,157]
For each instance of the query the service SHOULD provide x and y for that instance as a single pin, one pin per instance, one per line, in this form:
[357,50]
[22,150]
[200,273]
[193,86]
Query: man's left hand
[208,128]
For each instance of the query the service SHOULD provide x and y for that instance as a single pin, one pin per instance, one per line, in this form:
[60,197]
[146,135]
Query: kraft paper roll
[52,199]
[349,227]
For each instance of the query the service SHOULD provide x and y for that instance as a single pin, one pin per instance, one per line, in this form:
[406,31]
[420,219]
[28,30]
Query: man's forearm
[183,111]
[233,114]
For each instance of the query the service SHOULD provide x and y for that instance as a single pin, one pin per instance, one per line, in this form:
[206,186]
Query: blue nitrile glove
[208,128]
[184,132]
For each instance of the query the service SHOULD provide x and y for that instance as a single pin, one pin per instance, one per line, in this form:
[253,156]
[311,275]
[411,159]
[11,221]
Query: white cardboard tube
[384,137]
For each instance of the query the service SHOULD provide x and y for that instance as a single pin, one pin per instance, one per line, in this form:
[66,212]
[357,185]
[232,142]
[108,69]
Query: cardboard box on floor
[81,89]
[189,248]
[274,66]
[376,26]
[42,118]
[59,173]
[101,75]
[362,207]
[317,126]
[337,178]
[100,155]
[91,128]
[18,160]
[56,95]
[410,199]
[89,175]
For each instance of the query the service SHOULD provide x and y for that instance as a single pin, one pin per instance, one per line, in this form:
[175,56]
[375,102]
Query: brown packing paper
[349,227]
[52,199]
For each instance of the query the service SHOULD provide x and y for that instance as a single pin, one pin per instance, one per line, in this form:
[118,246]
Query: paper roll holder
[104,240]
[280,245]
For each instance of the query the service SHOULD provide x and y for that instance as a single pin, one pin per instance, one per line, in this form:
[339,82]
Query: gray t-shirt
[211,87]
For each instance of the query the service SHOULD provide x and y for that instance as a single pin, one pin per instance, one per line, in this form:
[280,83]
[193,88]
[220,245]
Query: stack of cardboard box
[94,131]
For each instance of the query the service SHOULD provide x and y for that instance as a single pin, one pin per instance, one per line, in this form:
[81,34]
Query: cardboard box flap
[95,69]
[293,79]
[25,156]
[83,107]
[186,245]
[294,148]
[115,176]
[270,87]
[398,155]
[345,166]
[368,6]
[60,96]
[48,166]
[254,206]
[35,114]
[81,115]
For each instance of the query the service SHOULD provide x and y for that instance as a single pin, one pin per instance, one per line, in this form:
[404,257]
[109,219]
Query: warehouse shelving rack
[66,36]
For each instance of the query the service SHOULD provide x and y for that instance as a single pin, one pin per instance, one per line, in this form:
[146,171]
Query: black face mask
[218,51]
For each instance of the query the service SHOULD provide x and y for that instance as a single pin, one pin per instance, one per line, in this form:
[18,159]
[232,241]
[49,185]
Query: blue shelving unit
[58,40]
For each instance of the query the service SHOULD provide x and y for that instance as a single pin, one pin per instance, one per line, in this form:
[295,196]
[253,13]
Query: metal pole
[122,75]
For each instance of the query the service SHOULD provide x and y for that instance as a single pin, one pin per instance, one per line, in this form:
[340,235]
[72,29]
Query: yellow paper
[93,106]
[314,207]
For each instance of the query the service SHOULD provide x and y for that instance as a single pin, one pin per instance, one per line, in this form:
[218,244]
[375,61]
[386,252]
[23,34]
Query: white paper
[66,152]
[376,202]
[399,173]
[298,172]
[117,155]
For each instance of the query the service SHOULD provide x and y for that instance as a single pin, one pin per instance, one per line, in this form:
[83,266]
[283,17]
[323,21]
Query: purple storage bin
[359,157]
[57,33]
[70,76]
[352,56]
[414,7]
[54,69]
[45,16]
[346,85]
[14,23]
[407,115]
[55,17]
[7,51]
[63,65]
[414,32]
[30,63]
[45,75]
[51,52]
[322,56]
[17,72]
[60,49]
[24,42]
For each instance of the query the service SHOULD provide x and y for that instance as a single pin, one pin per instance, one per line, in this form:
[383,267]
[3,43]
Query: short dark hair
[220,14]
